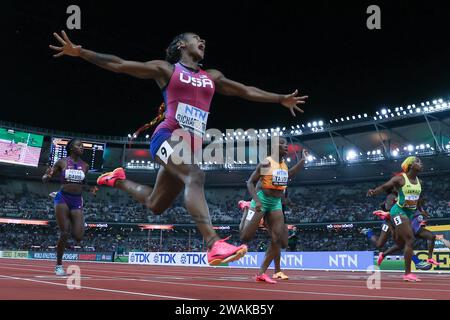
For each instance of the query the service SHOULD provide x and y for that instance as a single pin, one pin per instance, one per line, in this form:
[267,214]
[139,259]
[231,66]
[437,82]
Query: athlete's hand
[68,48]
[304,154]
[291,101]
[48,174]
[371,192]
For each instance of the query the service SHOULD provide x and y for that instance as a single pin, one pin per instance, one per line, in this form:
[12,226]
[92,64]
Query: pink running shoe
[383,215]
[243,205]
[380,258]
[222,252]
[411,278]
[432,261]
[110,178]
[264,278]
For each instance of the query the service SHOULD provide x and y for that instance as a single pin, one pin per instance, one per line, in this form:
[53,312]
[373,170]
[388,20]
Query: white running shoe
[59,271]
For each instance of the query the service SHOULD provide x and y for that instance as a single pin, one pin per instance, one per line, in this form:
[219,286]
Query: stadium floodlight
[314,124]
[378,151]
[321,123]
[309,158]
[411,112]
[422,147]
[288,159]
[396,109]
[401,108]
[331,121]
[365,115]
[129,135]
[268,135]
[351,155]
[353,117]
[278,129]
[410,148]
[368,153]
[336,120]
[132,161]
[251,161]
[374,118]
[398,114]
[281,134]
[378,113]
[404,112]
[309,124]
[426,109]
[447,147]
[134,136]
[434,101]
[147,136]
[374,152]
[418,110]
[381,117]
[427,103]
[359,116]
[427,145]
[292,131]
[440,100]
[275,134]
[383,111]
[342,119]
[395,153]
[409,107]
[303,125]
[330,156]
[348,118]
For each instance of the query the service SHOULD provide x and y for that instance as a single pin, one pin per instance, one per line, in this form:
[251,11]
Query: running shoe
[383,215]
[423,265]
[110,178]
[243,205]
[380,258]
[264,278]
[433,262]
[280,275]
[59,271]
[365,231]
[411,278]
[222,252]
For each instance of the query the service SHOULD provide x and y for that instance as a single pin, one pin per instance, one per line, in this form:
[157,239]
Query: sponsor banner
[351,260]
[75,256]
[197,259]
[14,254]
[443,257]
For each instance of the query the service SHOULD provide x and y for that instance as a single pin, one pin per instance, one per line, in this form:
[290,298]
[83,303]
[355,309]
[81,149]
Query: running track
[32,279]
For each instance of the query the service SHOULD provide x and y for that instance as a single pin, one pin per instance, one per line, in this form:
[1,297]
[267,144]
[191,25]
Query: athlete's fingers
[303,97]
[58,55]
[294,93]
[297,101]
[292,111]
[59,38]
[56,48]
[298,109]
[65,36]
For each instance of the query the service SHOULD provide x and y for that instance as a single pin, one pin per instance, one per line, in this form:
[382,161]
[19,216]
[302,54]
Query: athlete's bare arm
[299,165]
[158,70]
[232,88]
[252,182]
[397,182]
[53,171]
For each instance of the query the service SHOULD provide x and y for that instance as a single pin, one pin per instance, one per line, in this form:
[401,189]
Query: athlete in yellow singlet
[409,190]
[273,174]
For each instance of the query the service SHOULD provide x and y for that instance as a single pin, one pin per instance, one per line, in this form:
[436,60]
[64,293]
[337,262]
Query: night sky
[323,48]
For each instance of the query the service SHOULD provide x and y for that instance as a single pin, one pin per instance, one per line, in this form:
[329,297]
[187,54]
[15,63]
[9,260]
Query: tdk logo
[195,258]
[141,257]
[166,258]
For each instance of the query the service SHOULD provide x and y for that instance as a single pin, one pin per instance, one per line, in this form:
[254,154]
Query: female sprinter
[387,229]
[187,92]
[68,201]
[245,206]
[267,203]
[402,213]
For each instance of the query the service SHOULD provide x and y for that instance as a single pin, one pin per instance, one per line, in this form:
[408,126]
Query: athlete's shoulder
[214,74]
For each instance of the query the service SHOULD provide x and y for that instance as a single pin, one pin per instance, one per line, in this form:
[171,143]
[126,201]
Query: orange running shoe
[280,275]
[222,252]
[110,178]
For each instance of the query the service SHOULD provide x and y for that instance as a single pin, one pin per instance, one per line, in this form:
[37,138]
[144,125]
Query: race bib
[280,177]
[397,220]
[164,152]
[192,119]
[385,227]
[250,215]
[411,201]
[72,175]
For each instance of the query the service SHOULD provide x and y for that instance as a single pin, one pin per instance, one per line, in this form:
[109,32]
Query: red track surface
[28,279]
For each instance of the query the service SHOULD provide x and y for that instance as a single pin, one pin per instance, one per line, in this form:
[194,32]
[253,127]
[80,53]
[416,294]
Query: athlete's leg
[430,237]
[77,224]
[62,214]
[405,235]
[274,220]
[250,224]
[160,197]
[244,216]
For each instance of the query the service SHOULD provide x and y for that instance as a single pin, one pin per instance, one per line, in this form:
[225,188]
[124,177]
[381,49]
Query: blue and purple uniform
[187,97]
[73,173]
